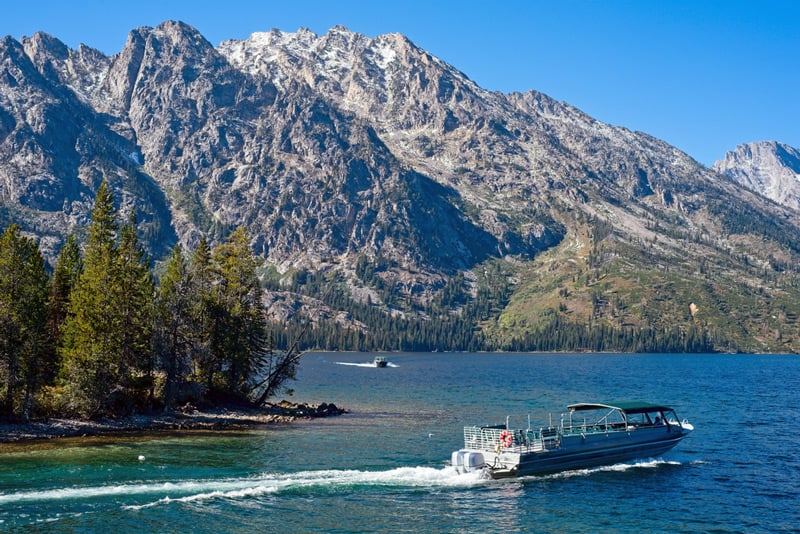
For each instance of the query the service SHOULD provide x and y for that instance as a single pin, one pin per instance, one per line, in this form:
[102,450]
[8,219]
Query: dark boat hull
[543,463]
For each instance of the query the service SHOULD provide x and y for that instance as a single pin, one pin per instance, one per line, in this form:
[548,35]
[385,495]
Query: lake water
[384,467]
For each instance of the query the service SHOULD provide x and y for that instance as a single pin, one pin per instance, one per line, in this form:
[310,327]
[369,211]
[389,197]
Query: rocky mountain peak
[179,36]
[768,167]
[43,44]
[372,160]
[81,70]
[17,67]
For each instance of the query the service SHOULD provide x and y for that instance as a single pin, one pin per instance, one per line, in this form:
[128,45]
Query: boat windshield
[602,416]
[646,418]
[620,415]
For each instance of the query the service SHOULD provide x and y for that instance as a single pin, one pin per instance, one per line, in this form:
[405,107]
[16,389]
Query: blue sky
[704,76]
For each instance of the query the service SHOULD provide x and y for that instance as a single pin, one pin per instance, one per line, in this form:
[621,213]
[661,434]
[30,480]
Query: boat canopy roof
[626,407]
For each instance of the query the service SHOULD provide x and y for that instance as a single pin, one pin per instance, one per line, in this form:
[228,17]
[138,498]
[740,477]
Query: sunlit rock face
[768,167]
[327,148]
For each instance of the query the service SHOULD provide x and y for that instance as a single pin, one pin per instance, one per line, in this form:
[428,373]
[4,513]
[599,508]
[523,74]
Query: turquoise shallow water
[383,467]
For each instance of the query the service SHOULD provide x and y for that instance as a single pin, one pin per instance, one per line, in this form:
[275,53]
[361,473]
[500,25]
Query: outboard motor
[466,461]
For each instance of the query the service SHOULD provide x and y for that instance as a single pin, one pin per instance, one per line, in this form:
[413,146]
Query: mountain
[396,202]
[768,167]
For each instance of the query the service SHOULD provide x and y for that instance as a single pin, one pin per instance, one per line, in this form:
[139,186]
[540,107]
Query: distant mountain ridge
[374,163]
[769,167]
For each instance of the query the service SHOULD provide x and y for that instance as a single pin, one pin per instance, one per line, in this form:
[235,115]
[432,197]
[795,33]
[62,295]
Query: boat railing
[589,428]
[493,438]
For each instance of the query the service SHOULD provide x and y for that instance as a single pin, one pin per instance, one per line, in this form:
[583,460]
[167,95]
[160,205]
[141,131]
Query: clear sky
[704,75]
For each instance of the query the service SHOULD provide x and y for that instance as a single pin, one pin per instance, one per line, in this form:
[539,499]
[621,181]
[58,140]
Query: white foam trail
[641,464]
[365,364]
[197,490]
[200,490]
[94,492]
[403,476]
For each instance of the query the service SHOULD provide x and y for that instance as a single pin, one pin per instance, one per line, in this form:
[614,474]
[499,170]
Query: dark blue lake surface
[383,467]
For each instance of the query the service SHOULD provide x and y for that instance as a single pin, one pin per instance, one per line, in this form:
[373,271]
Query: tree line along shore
[100,338]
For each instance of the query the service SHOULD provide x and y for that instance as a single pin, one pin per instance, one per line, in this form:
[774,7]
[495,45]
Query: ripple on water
[383,467]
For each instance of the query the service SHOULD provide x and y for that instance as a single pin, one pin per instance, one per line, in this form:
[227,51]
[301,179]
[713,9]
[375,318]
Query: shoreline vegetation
[110,334]
[188,418]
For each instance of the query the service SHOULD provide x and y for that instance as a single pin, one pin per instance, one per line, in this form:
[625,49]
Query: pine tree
[175,330]
[90,347]
[23,319]
[134,291]
[204,315]
[39,352]
[65,276]
[241,340]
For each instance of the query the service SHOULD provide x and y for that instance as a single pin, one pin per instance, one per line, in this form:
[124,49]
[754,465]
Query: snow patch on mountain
[385,55]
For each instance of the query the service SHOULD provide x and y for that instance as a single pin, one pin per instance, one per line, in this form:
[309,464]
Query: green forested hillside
[594,292]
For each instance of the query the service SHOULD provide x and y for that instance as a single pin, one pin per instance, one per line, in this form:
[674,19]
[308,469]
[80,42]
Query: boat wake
[149,494]
[365,364]
[327,481]
[236,488]
[628,466]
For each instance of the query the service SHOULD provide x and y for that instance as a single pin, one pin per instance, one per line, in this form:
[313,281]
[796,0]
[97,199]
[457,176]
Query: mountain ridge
[341,149]
[769,167]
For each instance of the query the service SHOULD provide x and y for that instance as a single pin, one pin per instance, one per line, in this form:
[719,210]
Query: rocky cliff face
[336,148]
[768,167]
[336,143]
[56,148]
[502,153]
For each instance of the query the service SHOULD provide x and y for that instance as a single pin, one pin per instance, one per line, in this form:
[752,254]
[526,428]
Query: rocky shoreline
[187,418]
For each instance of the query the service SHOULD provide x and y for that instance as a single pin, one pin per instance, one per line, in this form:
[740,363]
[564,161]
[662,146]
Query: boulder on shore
[304,410]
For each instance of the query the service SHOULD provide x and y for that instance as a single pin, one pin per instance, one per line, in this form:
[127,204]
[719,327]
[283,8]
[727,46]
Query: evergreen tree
[90,348]
[65,276]
[241,340]
[204,315]
[23,319]
[134,289]
[175,330]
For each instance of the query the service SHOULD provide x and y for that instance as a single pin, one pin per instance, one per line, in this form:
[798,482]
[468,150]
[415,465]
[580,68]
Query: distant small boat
[590,435]
[380,361]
